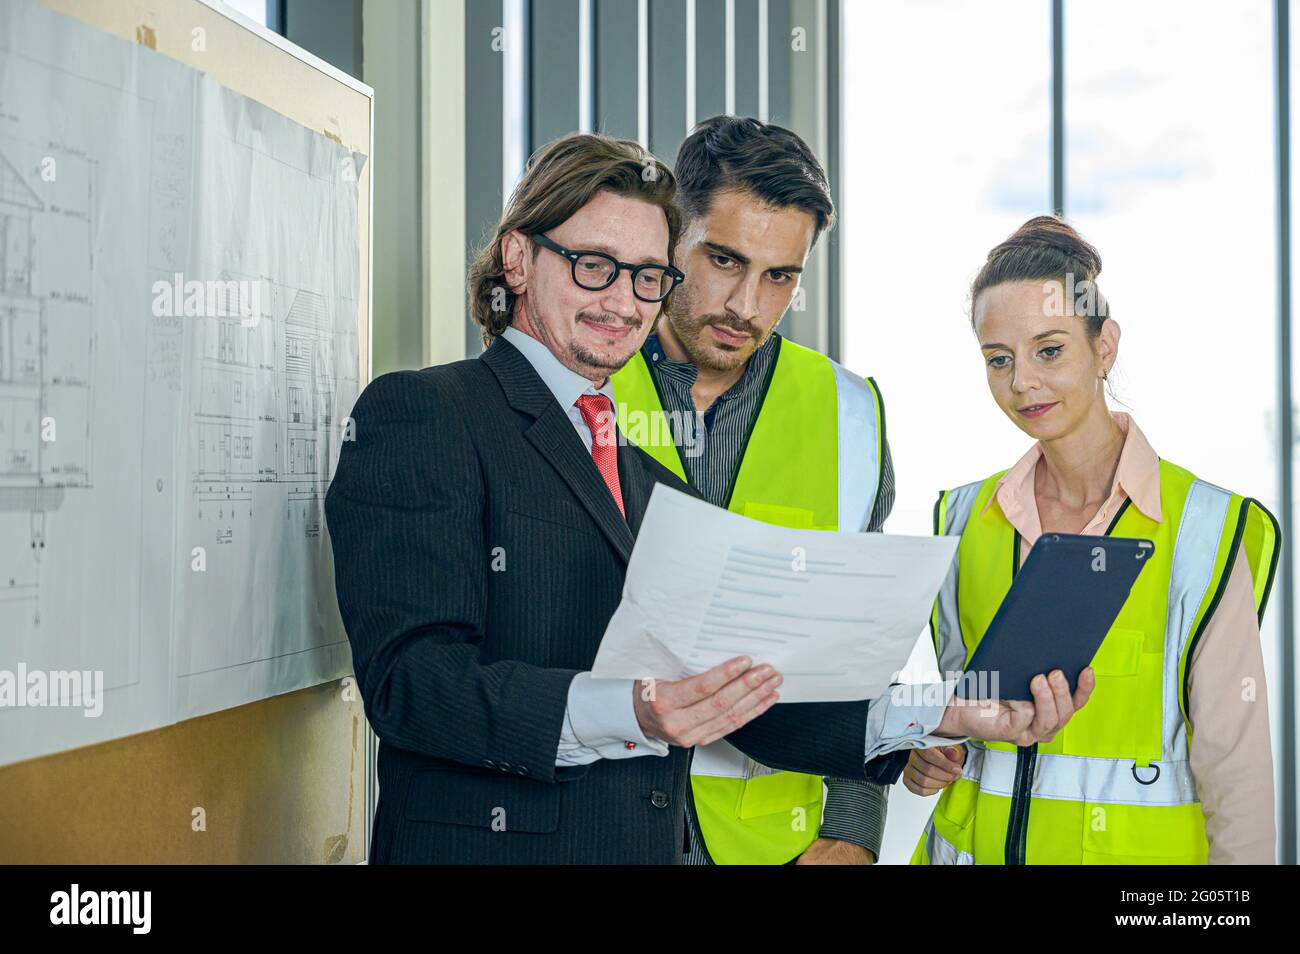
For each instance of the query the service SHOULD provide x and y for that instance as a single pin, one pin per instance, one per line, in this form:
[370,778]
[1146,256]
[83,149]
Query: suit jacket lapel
[553,435]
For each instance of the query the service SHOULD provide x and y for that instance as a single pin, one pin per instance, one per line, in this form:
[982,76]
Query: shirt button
[659,799]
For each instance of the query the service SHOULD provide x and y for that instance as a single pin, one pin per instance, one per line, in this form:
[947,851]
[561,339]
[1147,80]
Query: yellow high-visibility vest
[1115,785]
[813,461]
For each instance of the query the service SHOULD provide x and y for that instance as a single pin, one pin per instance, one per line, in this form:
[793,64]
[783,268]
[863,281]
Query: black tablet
[1060,607]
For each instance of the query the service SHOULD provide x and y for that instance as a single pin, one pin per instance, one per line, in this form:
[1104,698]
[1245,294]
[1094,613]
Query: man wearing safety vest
[766,428]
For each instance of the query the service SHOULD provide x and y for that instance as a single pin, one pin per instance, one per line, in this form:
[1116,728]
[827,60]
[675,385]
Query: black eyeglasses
[596,270]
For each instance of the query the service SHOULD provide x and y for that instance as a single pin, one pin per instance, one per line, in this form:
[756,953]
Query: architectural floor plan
[179,286]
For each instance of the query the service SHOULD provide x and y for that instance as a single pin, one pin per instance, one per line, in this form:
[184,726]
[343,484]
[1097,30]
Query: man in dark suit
[482,520]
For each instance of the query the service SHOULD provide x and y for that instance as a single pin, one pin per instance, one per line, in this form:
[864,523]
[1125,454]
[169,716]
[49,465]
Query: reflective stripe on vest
[803,467]
[1126,791]
[951,512]
[859,444]
[1081,779]
[940,851]
[1204,517]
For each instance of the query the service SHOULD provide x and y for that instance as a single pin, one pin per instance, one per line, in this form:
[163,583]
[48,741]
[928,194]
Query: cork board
[282,780]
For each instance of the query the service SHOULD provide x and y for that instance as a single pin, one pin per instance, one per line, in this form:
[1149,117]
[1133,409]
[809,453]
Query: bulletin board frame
[288,779]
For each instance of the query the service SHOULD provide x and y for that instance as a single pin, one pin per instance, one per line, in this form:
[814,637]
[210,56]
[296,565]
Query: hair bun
[1054,238]
[1043,249]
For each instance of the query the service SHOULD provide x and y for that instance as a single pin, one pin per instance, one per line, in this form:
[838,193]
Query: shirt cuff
[907,716]
[855,812]
[600,723]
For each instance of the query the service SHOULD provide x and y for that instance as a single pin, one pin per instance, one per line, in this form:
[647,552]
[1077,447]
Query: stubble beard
[602,364]
[694,337]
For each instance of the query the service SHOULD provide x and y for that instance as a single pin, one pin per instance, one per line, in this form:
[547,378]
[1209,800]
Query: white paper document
[837,614]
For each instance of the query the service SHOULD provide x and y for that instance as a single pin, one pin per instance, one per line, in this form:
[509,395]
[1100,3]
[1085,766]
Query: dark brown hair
[559,179]
[1042,250]
[733,153]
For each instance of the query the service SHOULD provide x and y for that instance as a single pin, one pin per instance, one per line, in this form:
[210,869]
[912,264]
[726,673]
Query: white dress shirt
[599,718]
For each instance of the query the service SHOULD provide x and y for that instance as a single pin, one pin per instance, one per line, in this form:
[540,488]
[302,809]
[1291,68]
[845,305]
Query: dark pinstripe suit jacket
[478,557]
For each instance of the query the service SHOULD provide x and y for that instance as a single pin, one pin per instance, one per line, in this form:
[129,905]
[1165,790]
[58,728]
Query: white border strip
[586,67]
[514,93]
[729,102]
[690,66]
[762,61]
[643,73]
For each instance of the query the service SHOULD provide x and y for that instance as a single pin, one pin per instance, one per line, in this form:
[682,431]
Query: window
[255,10]
[1169,171]
[936,174]
[947,125]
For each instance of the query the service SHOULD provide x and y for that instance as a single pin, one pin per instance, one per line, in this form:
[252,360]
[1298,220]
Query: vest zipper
[1026,756]
[1018,823]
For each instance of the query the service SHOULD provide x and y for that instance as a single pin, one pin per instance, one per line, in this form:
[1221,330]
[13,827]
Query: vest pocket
[766,819]
[1120,653]
[797,518]
[779,792]
[1144,834]
[1125,705]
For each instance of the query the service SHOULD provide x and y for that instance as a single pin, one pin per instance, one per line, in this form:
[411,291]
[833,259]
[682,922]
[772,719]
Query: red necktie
[598,414]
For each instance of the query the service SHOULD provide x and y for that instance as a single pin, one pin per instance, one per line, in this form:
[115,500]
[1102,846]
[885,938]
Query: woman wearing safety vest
[1170,761]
